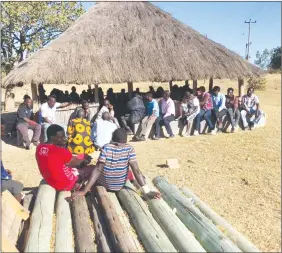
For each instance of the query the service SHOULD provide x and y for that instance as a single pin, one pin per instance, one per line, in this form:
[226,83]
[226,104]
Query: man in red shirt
[57,165]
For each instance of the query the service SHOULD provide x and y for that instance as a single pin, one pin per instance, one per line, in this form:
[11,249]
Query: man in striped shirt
[112,169]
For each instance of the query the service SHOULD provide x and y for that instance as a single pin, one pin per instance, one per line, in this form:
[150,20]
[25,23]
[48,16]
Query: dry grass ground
[238,175]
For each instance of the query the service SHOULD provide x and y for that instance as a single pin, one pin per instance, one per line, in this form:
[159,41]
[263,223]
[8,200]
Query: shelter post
[170,86]
[195,86]
[34,96]
[241,87]
[130,89]
[210,84]
[96,99]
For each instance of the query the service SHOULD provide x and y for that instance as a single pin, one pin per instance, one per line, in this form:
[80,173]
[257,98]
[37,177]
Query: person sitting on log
[232,105]
[206,106]
[25,121]
[112,169]
[152,113]
[190,107]
[59,168]
[7,183]
[107,107]
[48,111]
[250,109]
[102,131]
[219,109]
[136,113]
[79,131]
[167,114]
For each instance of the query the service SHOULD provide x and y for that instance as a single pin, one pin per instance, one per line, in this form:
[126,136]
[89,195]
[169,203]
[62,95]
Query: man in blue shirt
[219,108]
[7,183]
[152,113]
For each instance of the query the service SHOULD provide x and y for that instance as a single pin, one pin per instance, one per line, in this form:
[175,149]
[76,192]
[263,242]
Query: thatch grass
[116,42]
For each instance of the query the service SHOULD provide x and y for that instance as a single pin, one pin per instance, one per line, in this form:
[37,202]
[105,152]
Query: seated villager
[48,112]
[190,107]
[102,130]
[7,183]
[219,109]
[136,113]
[167,114]
[107,107]
[232,106]
[152,113]
[73,95]
[25,121]
[206,106]
[250,113]
[59,168]
[85,107]
[79,135]
[113,175]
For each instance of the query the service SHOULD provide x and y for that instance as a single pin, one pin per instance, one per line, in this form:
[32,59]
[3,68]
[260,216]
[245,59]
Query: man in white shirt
[48,111]
[107,107]
[219,108]
[102,131]
[250,108]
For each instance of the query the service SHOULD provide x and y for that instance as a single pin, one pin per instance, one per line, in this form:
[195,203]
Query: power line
[249,43]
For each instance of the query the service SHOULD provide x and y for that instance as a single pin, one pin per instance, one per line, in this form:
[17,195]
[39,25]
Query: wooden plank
[19,209]
[7,245]
[204,230]
[125,222]
[120,237]
[15,229]
[182,239]
[243,243]
[102,237]
[8,215]
[152,236]
[64,239]
[40,231]
[83,233]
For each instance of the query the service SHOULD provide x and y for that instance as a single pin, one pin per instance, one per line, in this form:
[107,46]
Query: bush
[257,83]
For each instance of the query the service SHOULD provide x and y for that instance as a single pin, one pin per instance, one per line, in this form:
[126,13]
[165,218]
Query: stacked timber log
[243,243]
[106,222]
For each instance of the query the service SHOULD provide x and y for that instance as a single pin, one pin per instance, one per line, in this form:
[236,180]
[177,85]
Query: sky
[224,22]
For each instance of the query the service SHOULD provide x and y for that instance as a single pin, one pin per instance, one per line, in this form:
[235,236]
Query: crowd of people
[64,156]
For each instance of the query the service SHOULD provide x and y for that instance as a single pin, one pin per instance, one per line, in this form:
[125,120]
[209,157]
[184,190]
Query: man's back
[116,160]
[104,132]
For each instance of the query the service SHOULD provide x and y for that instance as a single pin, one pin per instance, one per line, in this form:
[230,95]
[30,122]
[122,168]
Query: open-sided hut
[116,42]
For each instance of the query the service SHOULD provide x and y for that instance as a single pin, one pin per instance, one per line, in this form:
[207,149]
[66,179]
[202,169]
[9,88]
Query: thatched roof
[117,42]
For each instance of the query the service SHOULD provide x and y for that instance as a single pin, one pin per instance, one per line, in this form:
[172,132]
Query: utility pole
[249,43]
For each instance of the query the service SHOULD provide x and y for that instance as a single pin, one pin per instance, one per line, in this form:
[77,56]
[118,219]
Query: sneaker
[156,138]
[232,130]
[213,132]
[186,135]
[196,133]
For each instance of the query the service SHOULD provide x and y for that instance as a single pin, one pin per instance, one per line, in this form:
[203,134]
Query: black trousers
[164,122]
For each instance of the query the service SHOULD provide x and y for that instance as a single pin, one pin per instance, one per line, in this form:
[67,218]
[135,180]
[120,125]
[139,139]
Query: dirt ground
[237,175]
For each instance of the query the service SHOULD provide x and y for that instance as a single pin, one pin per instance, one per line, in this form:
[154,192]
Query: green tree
[29,26]
[275,61]
[263,60]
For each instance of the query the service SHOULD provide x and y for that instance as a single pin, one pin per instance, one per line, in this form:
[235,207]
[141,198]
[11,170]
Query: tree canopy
[269,59]
[29,26]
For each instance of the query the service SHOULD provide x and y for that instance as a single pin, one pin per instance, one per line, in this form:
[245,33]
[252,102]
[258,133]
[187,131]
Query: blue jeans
[207,116]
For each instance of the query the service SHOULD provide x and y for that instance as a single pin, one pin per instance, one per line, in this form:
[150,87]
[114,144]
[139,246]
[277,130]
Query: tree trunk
[195,84]
[83,234]
[205,232]
[40,231]
[235,236]
[210,84]
[152,236]
[102,237]
[182,239]
[64,239]
[121,239]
